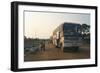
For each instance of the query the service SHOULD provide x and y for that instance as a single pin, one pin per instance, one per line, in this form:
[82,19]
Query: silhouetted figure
[43,46]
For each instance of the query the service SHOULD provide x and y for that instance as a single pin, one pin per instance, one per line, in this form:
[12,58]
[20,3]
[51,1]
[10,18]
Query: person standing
[43,46]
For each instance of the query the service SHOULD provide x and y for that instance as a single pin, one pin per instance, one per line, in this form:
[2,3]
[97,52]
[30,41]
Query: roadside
[52,53]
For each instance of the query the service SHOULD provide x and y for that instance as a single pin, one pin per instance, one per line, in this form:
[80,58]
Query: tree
[86,32]
[85,29]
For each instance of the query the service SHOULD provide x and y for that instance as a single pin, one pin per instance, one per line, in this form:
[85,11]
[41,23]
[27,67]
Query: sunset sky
[42,24]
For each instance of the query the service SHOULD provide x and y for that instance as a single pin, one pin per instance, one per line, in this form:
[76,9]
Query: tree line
[85,32]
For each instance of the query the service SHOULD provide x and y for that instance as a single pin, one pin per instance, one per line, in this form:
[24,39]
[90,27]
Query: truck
[67,36]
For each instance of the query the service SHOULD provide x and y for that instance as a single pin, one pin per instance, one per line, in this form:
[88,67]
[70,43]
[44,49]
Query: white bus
[67,36]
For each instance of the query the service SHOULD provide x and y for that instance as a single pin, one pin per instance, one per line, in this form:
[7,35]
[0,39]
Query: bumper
[72,44]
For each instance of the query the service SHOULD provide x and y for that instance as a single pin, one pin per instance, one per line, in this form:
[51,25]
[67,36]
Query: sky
[42,24]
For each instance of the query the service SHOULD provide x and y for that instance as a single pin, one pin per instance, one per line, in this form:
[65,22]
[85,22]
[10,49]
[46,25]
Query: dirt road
[52,53]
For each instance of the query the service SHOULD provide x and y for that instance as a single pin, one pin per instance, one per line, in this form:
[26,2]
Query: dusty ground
[52,53]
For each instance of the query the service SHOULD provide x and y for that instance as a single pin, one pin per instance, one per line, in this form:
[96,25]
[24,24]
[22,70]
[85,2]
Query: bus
[67,36]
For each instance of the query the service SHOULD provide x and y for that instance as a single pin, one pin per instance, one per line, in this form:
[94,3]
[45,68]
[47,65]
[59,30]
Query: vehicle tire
[62,48]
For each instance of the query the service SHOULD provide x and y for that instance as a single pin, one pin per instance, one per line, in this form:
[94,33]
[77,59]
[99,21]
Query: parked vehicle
[33,49]
[67,35]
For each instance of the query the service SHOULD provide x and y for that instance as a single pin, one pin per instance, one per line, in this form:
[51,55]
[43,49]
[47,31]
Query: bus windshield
[72,30]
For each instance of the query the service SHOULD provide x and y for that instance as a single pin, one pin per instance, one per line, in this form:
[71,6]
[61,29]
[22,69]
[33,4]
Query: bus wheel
[62,48]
